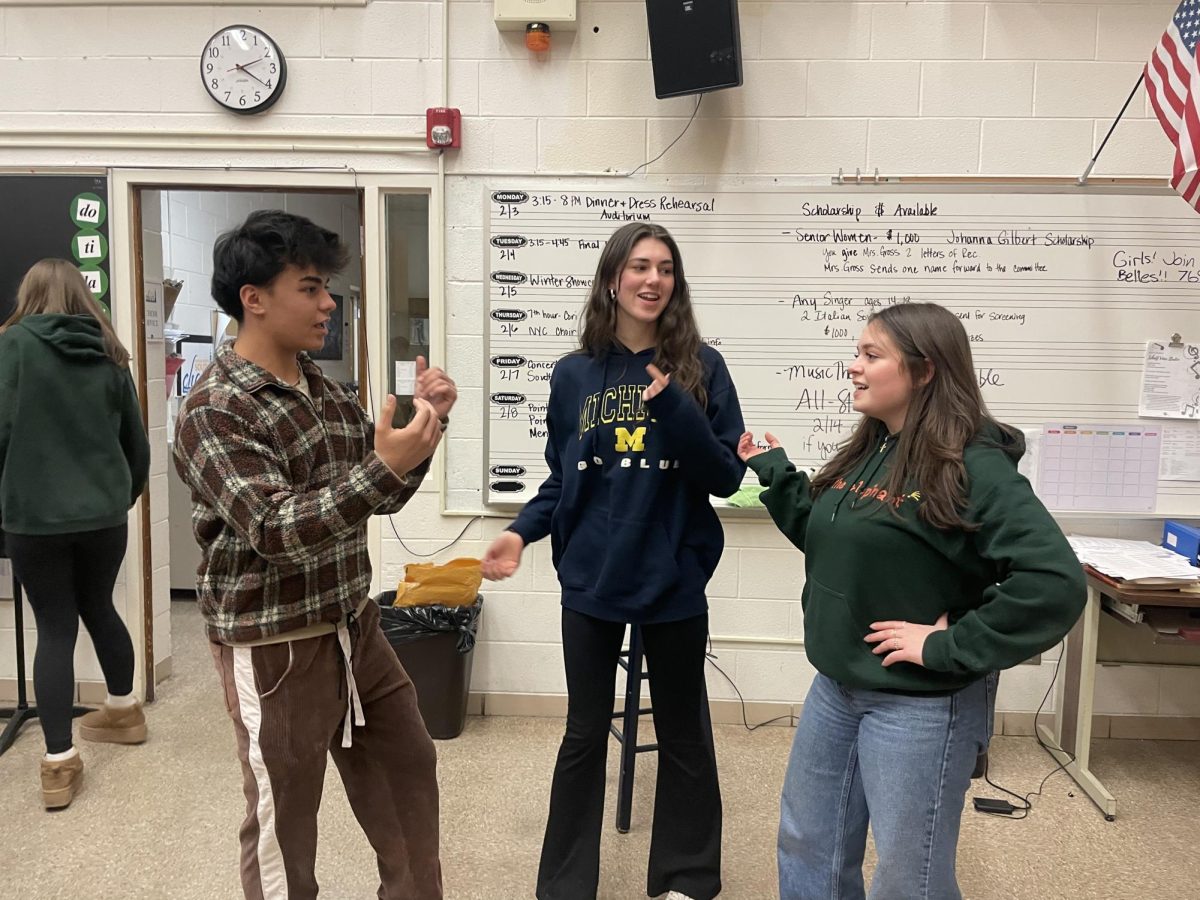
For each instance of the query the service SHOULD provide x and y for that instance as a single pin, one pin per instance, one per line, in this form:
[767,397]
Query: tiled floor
[160,821]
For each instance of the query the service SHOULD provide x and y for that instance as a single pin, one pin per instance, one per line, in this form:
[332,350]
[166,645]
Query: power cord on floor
[712,657]
[1025,807]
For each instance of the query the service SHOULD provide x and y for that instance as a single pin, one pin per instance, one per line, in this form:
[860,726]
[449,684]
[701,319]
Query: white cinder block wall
[941,88]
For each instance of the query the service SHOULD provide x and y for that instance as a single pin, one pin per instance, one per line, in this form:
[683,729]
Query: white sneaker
[675,895]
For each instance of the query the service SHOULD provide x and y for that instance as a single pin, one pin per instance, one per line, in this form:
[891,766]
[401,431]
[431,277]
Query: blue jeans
[901,764]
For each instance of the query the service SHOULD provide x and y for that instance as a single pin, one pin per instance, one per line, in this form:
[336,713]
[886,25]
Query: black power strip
[994,807]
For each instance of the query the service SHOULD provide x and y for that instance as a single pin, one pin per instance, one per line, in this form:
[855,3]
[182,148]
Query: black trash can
[435,644]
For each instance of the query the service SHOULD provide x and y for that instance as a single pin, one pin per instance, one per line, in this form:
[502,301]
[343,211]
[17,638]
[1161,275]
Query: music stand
[21,713]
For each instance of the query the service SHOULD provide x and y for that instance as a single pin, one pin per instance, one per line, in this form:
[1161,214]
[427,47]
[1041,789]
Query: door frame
[128,304]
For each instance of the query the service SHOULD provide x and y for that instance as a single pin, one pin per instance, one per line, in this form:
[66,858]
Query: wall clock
[243,69]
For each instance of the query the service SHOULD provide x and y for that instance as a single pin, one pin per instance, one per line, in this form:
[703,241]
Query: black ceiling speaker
[695,46]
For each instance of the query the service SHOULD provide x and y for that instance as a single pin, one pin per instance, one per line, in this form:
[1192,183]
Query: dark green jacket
[1012,588]
[73,449]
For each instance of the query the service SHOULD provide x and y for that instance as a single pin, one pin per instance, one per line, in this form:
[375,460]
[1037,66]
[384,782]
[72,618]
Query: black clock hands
[245,69]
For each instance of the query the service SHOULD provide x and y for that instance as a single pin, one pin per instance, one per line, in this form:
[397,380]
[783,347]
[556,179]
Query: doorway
[173,221]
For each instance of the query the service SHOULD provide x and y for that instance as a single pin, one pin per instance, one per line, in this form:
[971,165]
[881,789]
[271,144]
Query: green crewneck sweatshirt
[1012,588]
[73,449]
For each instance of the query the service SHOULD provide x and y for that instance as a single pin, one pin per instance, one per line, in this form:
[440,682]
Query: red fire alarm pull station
[443,127]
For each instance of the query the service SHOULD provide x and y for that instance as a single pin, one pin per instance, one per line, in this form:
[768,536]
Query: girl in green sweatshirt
[929,564]
[74,458]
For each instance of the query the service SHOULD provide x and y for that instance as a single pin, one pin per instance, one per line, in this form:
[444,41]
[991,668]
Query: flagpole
[1088,171]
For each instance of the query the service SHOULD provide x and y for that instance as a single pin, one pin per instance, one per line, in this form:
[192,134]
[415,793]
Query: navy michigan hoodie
[633,533]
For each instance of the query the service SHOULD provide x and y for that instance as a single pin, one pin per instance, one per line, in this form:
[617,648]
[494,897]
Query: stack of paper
[1136,562]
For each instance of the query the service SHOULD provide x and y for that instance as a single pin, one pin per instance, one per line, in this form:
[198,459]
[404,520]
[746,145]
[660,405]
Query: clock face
[243,69]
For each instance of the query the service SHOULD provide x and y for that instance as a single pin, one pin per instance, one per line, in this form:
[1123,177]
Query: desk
[1073,733]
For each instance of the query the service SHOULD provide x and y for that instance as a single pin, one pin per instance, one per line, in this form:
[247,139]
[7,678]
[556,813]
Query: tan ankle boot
[126,725]
[60,781]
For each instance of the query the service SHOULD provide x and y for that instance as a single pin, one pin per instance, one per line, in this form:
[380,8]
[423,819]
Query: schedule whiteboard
[1059,289]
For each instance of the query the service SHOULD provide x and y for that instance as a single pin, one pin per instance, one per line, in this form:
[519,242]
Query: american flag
[1172,82]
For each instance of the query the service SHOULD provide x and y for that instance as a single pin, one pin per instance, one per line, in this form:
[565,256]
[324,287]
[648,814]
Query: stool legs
[627,735]
[629,729]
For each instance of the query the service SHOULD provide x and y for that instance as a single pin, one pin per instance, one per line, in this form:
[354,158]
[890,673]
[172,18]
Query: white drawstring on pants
[354,710]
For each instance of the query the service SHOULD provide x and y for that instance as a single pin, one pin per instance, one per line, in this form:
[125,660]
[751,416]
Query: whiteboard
[1058,287]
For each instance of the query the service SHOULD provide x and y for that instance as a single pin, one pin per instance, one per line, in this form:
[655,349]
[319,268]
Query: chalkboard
[64,216]
[1059,288]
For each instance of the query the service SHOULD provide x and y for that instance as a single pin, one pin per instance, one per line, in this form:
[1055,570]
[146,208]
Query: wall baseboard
[163,669]
[729,712]
[87,693]
[724,712]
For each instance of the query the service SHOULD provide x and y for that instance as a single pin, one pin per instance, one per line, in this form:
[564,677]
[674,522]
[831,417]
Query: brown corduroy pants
[288,703]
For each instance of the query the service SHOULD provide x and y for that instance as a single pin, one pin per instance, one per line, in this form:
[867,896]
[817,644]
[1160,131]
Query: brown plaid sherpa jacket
[282,488]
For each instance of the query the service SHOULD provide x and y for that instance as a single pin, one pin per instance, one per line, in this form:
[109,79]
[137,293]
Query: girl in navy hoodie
[643,426]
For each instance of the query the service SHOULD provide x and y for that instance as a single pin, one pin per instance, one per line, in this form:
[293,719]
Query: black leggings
[68,577]
[685,839]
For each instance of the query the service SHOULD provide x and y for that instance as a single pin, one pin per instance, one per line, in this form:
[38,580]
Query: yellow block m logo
[635,441]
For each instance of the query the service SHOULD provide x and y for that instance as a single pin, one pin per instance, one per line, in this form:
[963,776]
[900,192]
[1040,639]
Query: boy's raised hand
[403,449]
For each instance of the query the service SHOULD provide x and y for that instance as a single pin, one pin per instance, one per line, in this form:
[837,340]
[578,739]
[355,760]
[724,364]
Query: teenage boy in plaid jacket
[285,470]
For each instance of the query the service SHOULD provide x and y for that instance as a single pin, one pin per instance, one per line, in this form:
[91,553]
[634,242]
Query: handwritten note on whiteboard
[1057,290]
